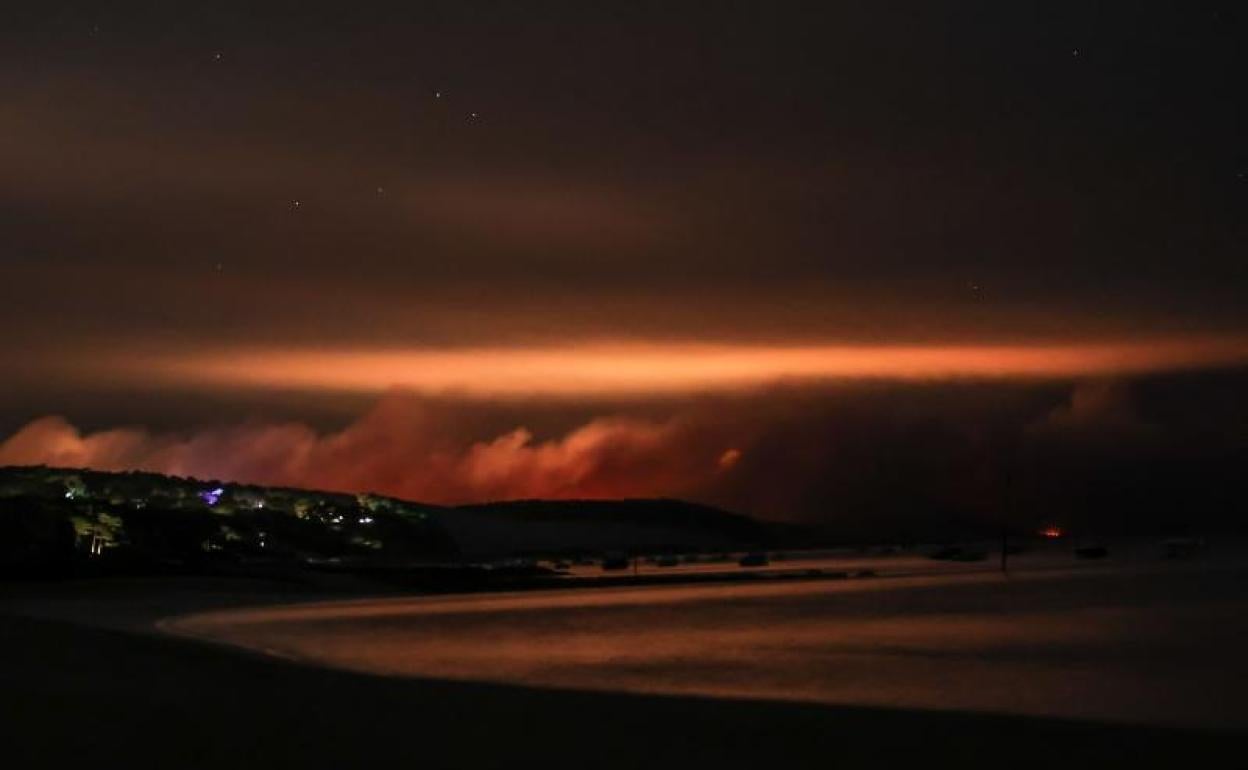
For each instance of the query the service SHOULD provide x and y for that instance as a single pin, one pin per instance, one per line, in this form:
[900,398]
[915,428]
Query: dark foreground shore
[78,696]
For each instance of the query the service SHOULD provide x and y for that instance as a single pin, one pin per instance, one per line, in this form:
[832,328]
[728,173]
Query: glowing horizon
[636,369]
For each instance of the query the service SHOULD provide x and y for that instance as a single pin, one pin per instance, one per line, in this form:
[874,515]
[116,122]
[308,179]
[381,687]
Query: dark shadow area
[75,696]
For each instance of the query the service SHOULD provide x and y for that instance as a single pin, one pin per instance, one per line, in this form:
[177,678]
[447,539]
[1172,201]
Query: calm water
[1150,642]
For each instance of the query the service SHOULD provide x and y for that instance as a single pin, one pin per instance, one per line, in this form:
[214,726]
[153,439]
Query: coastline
[1127,646]
[107,670]
[76,692]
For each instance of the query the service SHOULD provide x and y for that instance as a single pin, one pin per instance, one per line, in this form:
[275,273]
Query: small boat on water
[1182,547]
[958,553]
[757,559]
[615,562]
[1091,551]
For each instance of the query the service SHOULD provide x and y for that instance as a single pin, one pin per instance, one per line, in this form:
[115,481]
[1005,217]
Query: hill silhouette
[61,518]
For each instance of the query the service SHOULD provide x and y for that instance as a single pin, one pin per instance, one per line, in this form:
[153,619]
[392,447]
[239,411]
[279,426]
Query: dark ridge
[640,511]
[60,520]
[65,519]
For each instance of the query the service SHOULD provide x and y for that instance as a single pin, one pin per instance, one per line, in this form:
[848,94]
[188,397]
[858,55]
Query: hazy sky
[228,215]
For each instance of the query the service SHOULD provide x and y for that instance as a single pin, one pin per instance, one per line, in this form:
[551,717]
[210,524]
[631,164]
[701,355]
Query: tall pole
[1005,525]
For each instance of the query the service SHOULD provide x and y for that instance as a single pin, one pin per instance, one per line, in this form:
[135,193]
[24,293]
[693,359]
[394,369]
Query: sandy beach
[363,681]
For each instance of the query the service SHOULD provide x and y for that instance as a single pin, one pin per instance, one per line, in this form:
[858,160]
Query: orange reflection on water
[1136,642]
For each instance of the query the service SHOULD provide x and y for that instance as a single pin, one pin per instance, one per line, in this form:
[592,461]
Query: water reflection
[1150,644]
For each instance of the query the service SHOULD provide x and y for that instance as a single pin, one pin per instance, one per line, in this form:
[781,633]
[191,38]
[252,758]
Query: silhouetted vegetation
[71,521]
[54,519]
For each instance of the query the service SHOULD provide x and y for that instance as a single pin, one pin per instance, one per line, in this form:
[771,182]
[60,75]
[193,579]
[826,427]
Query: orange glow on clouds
[403,448]
[637,369]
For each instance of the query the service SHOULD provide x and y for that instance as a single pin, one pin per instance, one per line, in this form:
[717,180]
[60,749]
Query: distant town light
[1052,532]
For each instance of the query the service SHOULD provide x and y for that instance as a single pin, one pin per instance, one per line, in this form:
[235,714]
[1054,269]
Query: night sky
[842,261]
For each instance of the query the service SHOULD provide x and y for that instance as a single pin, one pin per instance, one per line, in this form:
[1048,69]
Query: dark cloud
[481,174]
[846,172]
[1097,410]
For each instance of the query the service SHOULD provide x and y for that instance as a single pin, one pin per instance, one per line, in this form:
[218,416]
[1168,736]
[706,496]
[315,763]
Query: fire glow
[644,369]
